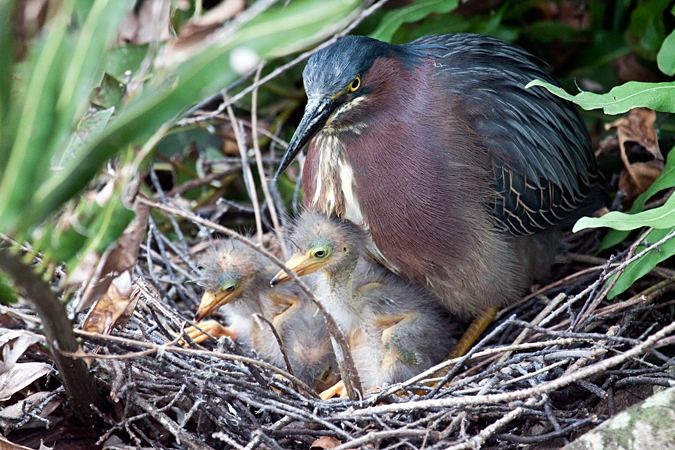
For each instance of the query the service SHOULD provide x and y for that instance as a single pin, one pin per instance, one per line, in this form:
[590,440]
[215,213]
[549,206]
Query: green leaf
[6,61]
[666,56]
[108,94]
[661,217]
[270,34]
[84,64]
[647,261]
[411,13]
[665,181]
[657,96]
[123,58]
[90,125]
[647,24]
[7,291]
[27,165]
[62,70]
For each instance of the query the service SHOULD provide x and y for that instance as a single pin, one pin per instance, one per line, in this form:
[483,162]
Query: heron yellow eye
[355,84]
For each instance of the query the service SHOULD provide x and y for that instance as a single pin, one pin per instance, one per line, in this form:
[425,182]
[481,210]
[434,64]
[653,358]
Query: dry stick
[548,287]
[452,371]
[631,253]
[163,348]
[280,343]
[261,170]
[348,371]
[248,175]
[543,388]
[488,352]
[271,136]
[620,268]
[541,316]
[588,259]
[79,384]
[198,182]
[375,437]
[485,434]
[190,441]
[643,298]
[601,264]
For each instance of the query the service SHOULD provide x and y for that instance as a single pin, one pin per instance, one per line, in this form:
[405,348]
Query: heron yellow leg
[470,336]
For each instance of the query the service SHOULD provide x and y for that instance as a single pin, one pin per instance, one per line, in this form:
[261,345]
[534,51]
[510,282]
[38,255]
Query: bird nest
[553,365]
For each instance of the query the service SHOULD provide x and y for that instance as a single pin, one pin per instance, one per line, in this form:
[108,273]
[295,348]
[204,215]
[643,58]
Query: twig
[261,170]
[248,176]
[524,393]
[79,383]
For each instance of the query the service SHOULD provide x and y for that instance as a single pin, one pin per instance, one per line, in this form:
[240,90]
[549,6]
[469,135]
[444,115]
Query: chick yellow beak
[211,301]
[300,265]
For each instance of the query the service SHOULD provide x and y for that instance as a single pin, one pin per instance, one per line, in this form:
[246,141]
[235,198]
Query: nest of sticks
[553,365]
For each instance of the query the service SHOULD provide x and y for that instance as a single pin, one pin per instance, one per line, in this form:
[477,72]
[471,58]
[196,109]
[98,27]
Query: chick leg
[213,327]
[403,326]
[337,389]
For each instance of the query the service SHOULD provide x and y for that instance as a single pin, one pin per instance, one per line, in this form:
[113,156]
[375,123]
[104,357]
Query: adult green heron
[394,329]
[236,279]
[459,174]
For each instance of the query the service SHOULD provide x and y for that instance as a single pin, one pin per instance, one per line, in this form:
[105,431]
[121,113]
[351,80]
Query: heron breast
[334,184]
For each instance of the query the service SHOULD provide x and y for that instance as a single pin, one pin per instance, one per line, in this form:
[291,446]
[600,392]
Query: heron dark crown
[332,69]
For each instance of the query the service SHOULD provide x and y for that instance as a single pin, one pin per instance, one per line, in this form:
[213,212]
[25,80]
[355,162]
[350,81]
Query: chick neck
[336,290]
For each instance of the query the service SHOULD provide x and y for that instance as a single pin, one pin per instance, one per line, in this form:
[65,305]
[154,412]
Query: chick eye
[230,288]
[355,84]
[320,253]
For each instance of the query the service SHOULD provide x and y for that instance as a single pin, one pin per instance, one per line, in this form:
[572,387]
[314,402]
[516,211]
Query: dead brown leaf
[200,32]
[114,308]
[645,173]
[6,445]
[637,126]
[325,442]
[14,343]
[20,376]
[147,24]
[32,405]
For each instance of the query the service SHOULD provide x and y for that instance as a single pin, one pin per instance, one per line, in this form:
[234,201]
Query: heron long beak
[300,265]
[317,112]
[212,301]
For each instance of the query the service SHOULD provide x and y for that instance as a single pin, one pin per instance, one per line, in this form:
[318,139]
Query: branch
[80,385]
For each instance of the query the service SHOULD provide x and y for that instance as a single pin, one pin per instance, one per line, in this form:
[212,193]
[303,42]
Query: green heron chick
[236,280]
[458,173]
[395,330]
